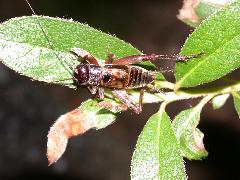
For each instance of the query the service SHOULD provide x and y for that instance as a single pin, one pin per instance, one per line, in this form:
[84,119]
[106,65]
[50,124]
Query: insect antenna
[178,57]
[49,42]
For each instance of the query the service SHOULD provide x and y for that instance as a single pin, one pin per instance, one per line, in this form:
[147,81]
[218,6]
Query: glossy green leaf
[190,137]
[236,99]
[157,153]
[218,37]
[219,100]
[25,49]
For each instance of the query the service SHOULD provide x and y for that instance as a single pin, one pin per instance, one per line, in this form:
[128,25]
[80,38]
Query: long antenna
[48,40]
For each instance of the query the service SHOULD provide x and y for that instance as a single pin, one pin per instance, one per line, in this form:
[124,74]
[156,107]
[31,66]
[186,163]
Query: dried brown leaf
[71,124]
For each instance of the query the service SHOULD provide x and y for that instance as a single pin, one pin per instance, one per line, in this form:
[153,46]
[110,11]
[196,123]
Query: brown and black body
[113,76]
[117,75]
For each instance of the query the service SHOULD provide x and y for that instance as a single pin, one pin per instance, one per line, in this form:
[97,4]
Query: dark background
[28,108]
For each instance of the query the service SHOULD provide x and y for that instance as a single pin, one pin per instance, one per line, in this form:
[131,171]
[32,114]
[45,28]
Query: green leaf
[160,77]
[101,117]
[157,154]
[190,137]
[236,99]
[25,49]
[206,8]
[219,100]
[218,38]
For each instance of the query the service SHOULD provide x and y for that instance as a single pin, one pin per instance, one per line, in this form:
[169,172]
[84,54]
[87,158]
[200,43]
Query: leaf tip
[57,141]
[187,13]
[66,126]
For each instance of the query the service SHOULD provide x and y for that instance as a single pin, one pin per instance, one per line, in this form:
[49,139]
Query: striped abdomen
[139,77]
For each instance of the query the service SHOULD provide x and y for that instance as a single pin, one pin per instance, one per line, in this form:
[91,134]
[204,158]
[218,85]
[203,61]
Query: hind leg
[153,57]
[127,102]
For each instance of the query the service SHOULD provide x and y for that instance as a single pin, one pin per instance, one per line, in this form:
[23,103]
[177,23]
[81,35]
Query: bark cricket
[119,75]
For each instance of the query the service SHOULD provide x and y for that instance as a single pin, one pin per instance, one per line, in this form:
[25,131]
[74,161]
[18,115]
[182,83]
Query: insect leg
[153,57]
[84,55]
[92,89]
[100,93]
[113,106]
[154,89]
[141,98]
[97,92]
[110,58]
[123,96]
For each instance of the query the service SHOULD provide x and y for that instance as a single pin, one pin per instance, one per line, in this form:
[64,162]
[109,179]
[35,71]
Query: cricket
[118,75]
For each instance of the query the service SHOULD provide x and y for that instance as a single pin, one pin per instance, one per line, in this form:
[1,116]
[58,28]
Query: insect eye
[106,77]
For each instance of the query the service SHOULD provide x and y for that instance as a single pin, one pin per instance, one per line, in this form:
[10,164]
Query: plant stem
[188,94]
